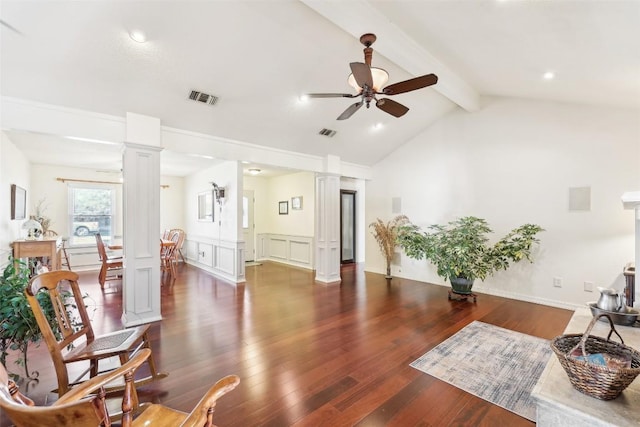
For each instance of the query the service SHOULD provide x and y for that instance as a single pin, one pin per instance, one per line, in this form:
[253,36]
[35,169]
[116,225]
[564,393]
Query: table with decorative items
[559,403]
[41,247]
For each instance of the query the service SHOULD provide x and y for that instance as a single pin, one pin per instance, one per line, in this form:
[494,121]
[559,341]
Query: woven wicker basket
[594,380]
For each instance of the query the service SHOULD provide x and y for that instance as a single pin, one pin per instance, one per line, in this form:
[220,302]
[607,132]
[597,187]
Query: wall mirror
[205,206]
[18,202]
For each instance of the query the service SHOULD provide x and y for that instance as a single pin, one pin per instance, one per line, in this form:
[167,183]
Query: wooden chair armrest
[202,413]
[88,387]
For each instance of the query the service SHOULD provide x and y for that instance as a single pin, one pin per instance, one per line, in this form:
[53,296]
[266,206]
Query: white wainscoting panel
[226,259]
[300,252]
[205,254]
[223,258]
[277,248]
[287,249]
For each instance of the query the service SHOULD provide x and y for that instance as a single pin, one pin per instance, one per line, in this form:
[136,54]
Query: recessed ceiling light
[303,98]
[378,126]
[254,171]
[138,36]
[245,162]
[549,75]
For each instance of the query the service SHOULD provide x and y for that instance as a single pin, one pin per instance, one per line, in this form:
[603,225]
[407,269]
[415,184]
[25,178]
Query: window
[91,211]
[245,212]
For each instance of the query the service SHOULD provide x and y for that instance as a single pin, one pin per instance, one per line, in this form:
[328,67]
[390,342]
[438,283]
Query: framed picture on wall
[296,203]
[283,208]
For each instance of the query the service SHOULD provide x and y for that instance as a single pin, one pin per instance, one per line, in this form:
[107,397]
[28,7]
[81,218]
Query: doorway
[248,225]
[347,226]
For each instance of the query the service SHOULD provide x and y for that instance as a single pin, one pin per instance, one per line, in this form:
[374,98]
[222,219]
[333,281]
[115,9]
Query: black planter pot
[461,285]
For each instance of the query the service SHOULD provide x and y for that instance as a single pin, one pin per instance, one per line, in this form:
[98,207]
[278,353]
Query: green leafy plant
[386,235]
[461,248]
[18,326]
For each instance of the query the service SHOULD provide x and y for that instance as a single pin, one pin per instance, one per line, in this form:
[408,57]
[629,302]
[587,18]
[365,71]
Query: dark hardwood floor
[310,354]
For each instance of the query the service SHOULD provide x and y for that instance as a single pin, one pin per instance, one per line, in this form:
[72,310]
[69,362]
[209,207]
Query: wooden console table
[45,247]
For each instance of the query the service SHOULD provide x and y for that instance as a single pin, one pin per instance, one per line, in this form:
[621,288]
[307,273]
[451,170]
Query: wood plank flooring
[310,354]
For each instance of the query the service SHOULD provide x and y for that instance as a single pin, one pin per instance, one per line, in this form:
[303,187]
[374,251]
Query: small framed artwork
[296,203]
[283,208]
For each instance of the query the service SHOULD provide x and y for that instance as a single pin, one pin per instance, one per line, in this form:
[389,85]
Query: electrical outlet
[588,286]
[557,282]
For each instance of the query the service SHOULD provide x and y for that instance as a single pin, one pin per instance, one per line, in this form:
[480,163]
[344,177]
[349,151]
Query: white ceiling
[258,57]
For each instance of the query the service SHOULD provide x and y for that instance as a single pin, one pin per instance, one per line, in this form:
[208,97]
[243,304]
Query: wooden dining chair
[167,257]
[177,254]
[111,268]
[74,339]
[85,405]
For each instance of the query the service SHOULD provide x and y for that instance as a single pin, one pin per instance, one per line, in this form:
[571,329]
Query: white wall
[44,185]
[260,186]
[283,188]
[14,169]
[226,225]
[513,162]
[172,203]
[54,193]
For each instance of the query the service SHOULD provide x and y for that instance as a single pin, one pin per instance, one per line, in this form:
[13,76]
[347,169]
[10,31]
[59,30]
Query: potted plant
[386,236]
[461,251]
[18,326]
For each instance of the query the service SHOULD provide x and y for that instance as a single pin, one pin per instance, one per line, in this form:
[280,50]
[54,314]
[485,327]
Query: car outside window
[91,211]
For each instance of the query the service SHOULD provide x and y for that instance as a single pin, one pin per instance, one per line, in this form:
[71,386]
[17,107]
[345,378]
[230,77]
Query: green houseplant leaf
[18,325]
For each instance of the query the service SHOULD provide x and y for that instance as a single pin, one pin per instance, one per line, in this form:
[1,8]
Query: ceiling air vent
[205,98]
[327,132]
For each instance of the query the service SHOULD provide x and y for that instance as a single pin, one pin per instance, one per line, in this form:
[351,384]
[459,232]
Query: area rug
[490,362]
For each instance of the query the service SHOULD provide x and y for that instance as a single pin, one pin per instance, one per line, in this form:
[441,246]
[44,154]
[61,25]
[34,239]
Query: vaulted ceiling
[258,57]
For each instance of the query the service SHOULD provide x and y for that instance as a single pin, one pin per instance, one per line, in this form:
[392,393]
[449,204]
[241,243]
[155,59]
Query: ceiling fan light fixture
[380,78]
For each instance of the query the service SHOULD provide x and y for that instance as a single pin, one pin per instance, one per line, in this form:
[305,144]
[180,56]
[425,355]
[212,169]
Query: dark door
[347,226]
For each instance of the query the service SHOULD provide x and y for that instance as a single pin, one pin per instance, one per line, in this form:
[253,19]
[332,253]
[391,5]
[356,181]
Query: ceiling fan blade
[411,84]
[349,111]
[331,95]
[362,74]
[392,107]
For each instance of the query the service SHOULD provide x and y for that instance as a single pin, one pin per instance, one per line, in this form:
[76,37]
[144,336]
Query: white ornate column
[327,223]
[141,214]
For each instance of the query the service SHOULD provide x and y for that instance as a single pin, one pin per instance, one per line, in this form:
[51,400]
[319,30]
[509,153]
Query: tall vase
[388,275]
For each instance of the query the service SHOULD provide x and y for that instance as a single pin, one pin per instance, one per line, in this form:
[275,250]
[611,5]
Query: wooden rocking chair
[85,405]
[123,343]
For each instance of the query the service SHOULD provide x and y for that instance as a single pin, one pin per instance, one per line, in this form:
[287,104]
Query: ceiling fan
[368,81]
